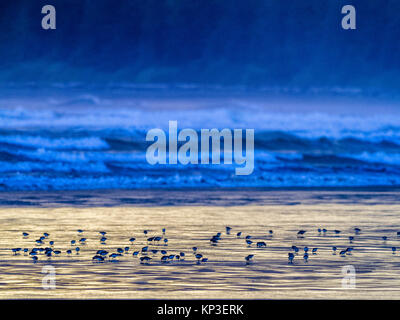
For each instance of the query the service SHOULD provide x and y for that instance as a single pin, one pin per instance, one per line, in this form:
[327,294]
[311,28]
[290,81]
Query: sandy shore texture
[225,275]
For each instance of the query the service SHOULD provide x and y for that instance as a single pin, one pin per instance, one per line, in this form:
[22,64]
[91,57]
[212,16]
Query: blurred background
[76,102]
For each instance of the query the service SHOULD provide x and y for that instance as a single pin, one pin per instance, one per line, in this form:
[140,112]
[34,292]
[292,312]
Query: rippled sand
[225,275]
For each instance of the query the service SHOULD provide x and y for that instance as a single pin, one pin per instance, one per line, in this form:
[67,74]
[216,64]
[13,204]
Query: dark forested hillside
[252,42]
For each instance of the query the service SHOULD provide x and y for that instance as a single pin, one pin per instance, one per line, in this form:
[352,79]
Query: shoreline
[199,197]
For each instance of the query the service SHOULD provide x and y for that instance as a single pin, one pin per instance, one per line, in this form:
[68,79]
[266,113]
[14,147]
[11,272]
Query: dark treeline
[252,42]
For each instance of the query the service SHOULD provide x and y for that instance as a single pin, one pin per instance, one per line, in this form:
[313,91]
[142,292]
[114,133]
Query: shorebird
[314,250]
[102,252]
[393,250]
[145,260]
[357,230]
[261,244]
[337,231]
[238,234]
[228,230]
[15,250]
[384,238]
[25,234]
[132,240]
[98,258]
[157,239]
[112,256]
[301,233]
[248,258]
[249,242]
[334,250]
[351,238]
[214,240]
[73,242]
[290,257]
[305,257]
[198,256]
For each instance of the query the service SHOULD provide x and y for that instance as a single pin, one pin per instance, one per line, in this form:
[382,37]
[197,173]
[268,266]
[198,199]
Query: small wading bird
[261,244]
[145,260]
[249,258]
[301,233]
[290,257]
[198,257]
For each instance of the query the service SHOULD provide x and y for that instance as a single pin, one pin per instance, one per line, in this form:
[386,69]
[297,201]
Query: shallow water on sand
[225,275]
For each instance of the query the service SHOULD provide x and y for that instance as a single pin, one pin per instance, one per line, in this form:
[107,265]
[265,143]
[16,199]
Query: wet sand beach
[225,274]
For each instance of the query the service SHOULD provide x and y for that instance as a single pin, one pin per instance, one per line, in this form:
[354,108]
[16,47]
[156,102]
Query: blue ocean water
[88,141]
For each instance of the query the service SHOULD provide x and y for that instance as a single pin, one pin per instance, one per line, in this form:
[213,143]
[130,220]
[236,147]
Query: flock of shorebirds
[158,245]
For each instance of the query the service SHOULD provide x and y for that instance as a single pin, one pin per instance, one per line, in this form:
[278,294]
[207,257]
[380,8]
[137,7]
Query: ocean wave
[304,125]
[72,148]
[377,157]
[84,143]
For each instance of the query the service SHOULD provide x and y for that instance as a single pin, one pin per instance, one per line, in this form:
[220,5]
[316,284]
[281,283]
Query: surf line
[188,152]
